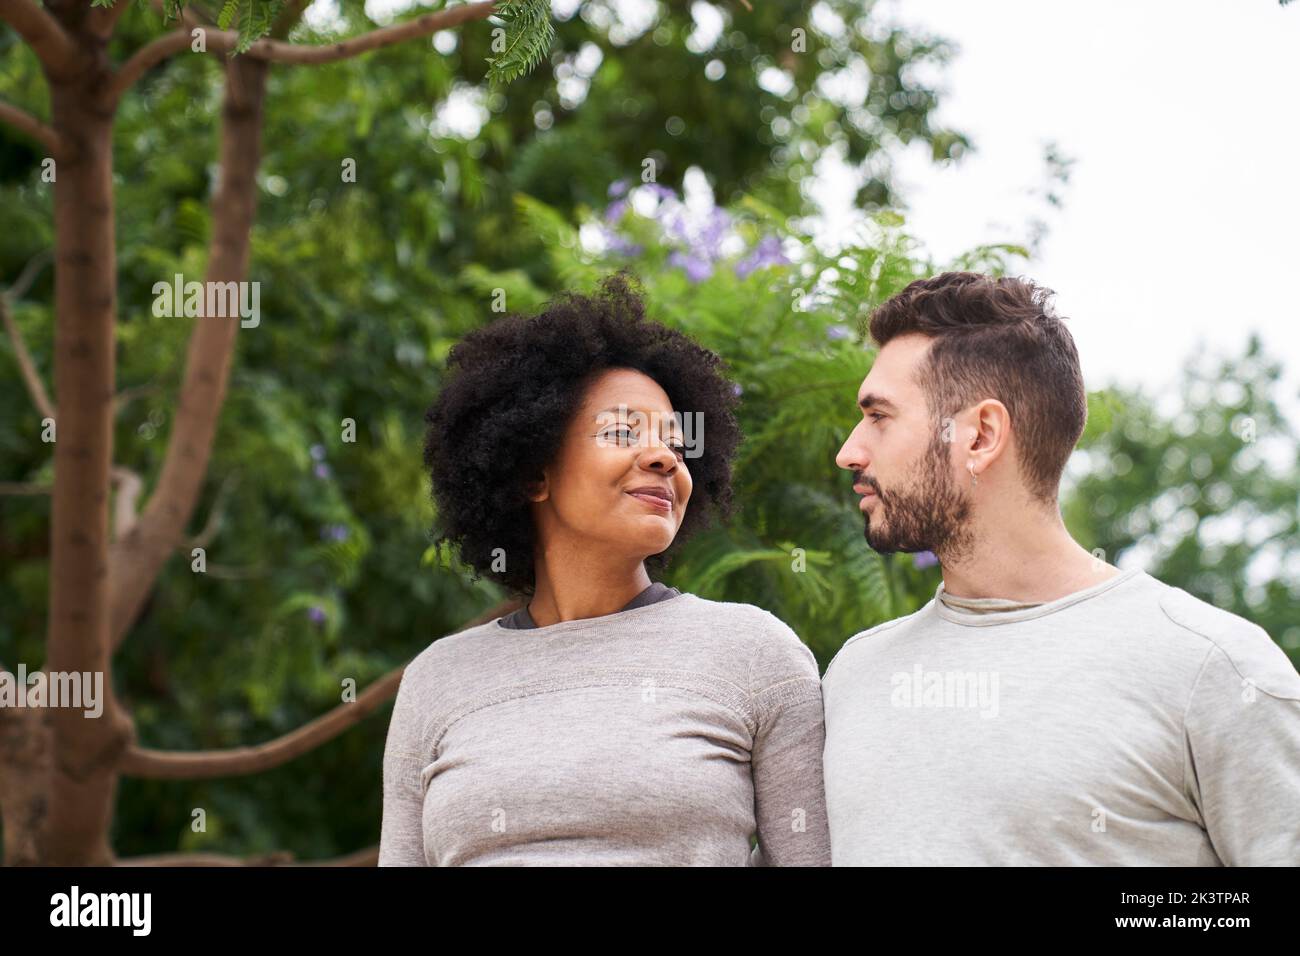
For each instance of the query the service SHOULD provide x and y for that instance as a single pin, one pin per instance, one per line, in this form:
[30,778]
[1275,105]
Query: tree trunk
[24,783]
[82,782]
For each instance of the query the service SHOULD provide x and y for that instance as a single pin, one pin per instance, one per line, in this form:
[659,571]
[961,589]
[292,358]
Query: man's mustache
[860,479]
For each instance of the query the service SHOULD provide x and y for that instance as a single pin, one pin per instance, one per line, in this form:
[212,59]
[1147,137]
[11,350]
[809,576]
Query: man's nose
[851,455]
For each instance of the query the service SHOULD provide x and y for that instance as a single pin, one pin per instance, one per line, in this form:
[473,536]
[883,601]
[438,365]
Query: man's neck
[1028,557]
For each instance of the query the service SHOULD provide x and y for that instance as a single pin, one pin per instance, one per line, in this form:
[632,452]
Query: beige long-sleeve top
[668,734]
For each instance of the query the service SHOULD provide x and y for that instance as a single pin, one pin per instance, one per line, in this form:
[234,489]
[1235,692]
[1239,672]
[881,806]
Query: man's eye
[678,450]
[875,416]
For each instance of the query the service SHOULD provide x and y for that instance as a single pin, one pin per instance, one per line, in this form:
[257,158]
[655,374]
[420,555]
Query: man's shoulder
[899,626]
[1246,646]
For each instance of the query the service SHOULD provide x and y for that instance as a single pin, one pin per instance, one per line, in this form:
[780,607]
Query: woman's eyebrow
[638,411]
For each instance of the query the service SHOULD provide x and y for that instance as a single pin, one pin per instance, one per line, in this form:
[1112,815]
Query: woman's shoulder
[775,651]
[441,659]
[757,620]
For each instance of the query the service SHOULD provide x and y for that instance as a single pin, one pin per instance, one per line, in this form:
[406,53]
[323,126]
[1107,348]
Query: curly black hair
[512,388]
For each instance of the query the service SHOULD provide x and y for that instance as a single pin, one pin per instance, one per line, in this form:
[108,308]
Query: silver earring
[970,466]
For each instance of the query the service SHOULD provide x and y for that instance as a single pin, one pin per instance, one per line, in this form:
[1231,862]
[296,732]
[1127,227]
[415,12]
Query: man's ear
[990,435]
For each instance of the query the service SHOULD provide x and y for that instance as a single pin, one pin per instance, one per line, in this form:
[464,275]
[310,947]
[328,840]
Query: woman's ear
[538,489]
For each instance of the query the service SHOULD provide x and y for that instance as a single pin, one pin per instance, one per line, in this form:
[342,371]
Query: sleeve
[789,796]
[401,836]
[1242,761]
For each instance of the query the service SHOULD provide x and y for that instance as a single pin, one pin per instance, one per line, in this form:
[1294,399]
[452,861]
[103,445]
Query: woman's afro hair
[513,387]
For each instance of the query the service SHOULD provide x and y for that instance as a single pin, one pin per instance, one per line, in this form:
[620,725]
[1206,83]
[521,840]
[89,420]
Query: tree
[61,771]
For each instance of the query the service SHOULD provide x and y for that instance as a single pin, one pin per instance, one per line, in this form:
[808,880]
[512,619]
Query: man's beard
[930,514]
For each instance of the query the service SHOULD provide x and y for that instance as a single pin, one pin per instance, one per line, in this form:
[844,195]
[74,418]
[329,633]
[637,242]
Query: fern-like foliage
[528,35]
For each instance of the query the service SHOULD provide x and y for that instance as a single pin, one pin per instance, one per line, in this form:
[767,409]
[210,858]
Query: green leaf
[227,14]
[529,33]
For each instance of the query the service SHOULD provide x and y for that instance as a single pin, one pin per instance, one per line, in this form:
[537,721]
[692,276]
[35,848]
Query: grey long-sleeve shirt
[1126,724]
[666,734]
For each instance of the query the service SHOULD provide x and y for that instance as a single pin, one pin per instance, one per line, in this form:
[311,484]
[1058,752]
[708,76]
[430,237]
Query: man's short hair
[997,338]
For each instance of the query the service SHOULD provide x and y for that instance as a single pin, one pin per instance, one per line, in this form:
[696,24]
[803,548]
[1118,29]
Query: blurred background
[808,161]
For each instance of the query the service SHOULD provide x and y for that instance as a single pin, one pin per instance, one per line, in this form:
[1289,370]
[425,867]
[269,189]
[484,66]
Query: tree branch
[48,40]
[147,57]
[204,537]
[24,488]
[205,764]
[136,559]
[129,487]
[103,20]
[128,395]
[32,378]
[24,122]
[224,41]
[275,51]
[366,857]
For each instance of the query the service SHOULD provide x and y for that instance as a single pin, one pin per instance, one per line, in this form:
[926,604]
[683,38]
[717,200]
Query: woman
[610,719]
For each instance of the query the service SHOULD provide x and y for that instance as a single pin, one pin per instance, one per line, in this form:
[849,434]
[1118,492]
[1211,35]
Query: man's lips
[865,491]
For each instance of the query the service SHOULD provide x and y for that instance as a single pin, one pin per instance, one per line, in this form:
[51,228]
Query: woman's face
[620,478]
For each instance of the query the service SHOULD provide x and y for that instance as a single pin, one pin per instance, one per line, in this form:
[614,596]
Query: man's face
[901,459]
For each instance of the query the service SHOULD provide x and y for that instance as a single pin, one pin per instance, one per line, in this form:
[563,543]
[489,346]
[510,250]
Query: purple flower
[322,470]
[335,532]
[621,246]
[614,212]
[617,188]
[663,192]
[837,332]
[715,227]
[697,269]
[316,613]
[675,227]
[318,452]
[766,253]
[738,388]
[925,559]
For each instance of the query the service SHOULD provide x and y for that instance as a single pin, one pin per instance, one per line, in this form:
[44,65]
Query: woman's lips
[654,501]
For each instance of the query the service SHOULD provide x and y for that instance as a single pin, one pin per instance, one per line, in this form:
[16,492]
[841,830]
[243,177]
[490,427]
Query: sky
[1180,225]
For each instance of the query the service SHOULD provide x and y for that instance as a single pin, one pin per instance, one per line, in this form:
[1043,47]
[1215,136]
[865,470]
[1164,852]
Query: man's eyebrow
[876,401]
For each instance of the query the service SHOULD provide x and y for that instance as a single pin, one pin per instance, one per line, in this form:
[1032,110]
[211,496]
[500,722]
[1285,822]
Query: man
[1045,707]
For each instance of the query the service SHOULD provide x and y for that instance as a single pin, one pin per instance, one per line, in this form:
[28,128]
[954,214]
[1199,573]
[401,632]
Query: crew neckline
[987,615]
[579,623]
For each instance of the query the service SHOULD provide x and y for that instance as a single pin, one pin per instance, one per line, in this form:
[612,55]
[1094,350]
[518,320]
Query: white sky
[1181,222]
